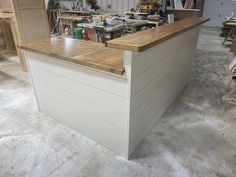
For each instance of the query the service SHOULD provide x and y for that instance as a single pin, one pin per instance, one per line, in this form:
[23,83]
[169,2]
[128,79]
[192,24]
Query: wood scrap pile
[225,30]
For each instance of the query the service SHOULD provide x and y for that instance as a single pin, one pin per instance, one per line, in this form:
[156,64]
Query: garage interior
[194,136]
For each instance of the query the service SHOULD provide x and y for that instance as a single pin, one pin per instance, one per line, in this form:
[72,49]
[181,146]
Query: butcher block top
[144,40]
[90,54]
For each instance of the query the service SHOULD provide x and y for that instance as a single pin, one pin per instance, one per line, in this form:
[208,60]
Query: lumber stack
[225,29]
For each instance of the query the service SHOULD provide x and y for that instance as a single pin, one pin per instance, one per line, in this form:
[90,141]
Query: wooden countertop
[90,54]
[144,40]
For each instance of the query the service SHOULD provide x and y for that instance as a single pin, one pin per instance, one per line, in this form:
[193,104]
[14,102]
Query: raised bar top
[144,40]
[90,54]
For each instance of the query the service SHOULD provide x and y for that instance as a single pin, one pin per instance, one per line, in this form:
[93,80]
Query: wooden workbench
[69,20]
[114,97]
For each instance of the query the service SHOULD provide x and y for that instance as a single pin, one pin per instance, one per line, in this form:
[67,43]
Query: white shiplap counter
[115,110]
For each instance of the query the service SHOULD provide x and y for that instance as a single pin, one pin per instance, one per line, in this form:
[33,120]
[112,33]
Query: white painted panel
[153,108]
[139,83]
[157,102]
[151,81]
[167,83]
[102,133]
[97,111]
[114,85]
[144,62]
[138,100]
[106,99]
[159,84]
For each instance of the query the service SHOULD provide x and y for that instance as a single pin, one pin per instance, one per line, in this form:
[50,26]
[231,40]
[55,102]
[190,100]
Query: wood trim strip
[31,7]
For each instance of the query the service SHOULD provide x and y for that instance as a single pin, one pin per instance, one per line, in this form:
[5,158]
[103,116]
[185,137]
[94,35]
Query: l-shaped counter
[113,94]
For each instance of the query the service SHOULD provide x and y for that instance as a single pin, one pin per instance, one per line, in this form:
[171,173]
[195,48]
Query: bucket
[78,33]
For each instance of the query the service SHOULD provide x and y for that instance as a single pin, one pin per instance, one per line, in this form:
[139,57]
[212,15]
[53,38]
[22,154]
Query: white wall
[217,10]
[117,6]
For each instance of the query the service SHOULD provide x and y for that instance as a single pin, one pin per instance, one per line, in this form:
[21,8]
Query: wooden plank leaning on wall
[28,24]
[31,22]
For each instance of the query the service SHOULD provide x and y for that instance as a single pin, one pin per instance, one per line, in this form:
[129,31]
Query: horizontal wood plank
[106,82]
[111,101]
[145,40]
[108,116]
[148,76]
[85,124]
[167,48]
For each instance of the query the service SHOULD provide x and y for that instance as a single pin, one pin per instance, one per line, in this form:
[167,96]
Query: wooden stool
[231,34]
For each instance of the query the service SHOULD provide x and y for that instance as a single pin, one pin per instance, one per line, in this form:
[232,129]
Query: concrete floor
[195,137]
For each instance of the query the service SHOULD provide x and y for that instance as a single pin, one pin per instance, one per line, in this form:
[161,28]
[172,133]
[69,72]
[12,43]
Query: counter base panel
[116,112]
[157,77]
[92,103]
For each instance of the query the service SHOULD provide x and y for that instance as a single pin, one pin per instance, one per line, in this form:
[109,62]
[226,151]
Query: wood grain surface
[4,15]
[90,54]
[144,40]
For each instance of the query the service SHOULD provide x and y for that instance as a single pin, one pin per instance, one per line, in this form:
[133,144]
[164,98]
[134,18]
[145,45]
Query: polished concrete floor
[196,137]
